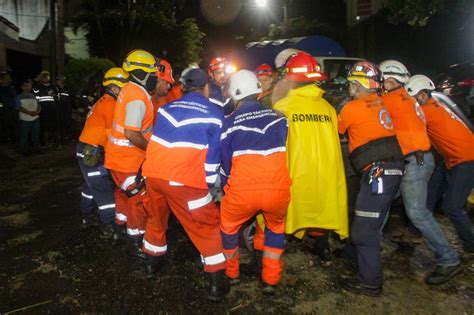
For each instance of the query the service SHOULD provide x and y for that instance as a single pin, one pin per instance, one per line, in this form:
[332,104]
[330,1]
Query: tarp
[30,16]
[256,53]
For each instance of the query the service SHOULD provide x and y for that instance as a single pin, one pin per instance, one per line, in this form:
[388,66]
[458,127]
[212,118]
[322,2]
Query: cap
[60,77]
[45,72]
[194,78]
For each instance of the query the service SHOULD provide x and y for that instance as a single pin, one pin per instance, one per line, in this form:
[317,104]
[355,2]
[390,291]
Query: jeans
[28,128]
[455,184]
[414,189]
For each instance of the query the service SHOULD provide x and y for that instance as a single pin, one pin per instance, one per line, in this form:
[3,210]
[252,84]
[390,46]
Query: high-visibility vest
[120,154]
[99,121]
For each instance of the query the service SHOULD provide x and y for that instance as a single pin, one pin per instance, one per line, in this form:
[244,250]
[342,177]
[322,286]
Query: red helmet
[164,71]
[367,74]
[217,63]
[264,69]
[302,67]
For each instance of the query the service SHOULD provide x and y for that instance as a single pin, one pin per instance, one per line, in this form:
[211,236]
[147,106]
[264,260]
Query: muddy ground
[51,265]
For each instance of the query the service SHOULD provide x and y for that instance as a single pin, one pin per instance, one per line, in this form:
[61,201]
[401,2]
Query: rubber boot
[153,265]
[219,286]
[136,248]
[106,231]
[120,234]
[254,267]
[321,247]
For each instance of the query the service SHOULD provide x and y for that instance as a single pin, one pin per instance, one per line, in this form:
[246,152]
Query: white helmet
[394,69]
[418,83]
[284,55]
[242,84]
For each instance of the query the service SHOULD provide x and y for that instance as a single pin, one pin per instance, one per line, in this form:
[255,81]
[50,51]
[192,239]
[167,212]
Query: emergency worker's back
[253,149]
[319,196]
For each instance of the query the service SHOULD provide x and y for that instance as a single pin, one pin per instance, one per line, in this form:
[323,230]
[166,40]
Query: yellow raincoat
[318,190]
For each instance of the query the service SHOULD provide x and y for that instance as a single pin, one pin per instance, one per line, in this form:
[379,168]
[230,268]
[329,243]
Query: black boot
[136,248]
[218,286]
[120,234]
[106,231]
[267,289]
[88,220]
[321,247]
[254,267]
[153,265]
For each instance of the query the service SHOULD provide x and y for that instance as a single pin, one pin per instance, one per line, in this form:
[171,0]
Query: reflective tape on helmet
[201,202]
[213,260]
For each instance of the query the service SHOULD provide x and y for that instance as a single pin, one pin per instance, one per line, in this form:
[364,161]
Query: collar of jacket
[310,90]
[248,106]
[194,96]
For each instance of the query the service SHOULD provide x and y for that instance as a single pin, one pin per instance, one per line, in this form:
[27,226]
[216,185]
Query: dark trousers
[98,189]
[455,185]
[371,213]
[29,130]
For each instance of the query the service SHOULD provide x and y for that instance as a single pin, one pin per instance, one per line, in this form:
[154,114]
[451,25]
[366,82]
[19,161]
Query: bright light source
[230,69]
[261,3]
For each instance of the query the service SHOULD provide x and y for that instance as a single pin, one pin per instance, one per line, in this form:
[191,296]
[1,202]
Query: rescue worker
[454,177]
[98,188]
[376,154]
[45,94]
[409,125]
[282,86]
[64,104]
[264,74]
[314,156]
[166,89]
[181,165]
[254,176]
[125,150]
[219,70]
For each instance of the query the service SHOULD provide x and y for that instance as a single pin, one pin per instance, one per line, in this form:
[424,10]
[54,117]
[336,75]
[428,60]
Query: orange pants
[129,210]
[237,207]
[196,212]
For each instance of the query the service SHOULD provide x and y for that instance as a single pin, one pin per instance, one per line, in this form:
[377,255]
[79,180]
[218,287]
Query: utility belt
[419,156]
[384,149]
[132,189]
[92,154]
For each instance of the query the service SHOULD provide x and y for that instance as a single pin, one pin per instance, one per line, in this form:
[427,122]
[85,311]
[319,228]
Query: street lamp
[261,3]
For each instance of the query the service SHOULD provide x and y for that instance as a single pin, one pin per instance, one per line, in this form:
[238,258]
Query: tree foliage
[297,27]
[115,27]
[79,71]
[417,13]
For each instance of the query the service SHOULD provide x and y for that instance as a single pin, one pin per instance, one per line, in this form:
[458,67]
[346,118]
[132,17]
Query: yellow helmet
[140,60]
[116,76]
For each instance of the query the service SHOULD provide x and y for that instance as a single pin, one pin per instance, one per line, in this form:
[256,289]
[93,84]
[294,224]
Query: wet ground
[49,264]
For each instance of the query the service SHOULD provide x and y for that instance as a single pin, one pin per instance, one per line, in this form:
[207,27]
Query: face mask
[150,83]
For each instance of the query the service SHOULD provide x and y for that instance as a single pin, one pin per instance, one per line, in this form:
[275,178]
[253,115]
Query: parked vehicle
[457,82]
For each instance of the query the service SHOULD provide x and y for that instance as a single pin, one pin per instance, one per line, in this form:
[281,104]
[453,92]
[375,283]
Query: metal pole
[52,44]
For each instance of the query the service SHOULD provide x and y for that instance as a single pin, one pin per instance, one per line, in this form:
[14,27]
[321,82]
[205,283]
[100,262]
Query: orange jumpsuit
[133,111]
[255,175]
